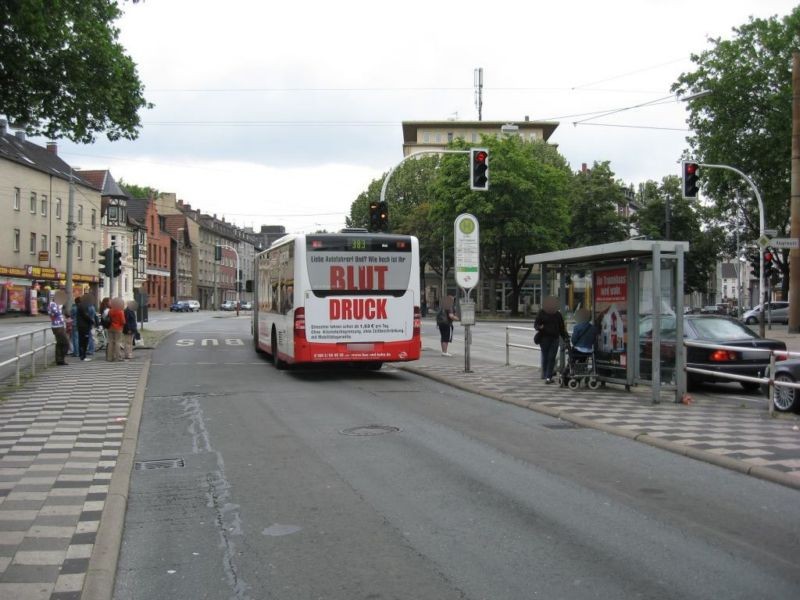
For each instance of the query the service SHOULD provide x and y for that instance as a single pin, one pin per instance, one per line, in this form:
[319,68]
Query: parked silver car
[778,313]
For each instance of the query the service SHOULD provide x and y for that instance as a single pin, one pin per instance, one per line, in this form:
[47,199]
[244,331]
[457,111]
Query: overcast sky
[282,112]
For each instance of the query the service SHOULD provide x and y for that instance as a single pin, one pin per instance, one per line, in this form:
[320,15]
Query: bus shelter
[634,290]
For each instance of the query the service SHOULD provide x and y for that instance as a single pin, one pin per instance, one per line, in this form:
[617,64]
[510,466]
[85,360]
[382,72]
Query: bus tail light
[417,321]
[300,323]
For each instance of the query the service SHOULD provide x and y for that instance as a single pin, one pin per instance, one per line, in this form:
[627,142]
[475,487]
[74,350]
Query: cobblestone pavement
[60,434]
[744,433]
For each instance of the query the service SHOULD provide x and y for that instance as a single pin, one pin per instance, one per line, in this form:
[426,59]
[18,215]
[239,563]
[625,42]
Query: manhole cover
[369,430]
[162,463]
[561,425]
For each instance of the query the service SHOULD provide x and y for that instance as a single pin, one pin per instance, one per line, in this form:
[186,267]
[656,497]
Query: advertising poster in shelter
[611,315]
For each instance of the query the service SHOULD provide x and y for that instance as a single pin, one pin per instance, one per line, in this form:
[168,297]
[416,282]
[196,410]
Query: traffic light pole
[761,226]
[111,269]
[70,240]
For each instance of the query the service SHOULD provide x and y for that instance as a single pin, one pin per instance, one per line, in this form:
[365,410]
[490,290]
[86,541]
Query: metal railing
[32,351]
[509,345]
[769,380]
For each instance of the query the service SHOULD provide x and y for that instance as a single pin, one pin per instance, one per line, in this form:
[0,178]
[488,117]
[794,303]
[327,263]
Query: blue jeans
[74,340]
[549,347]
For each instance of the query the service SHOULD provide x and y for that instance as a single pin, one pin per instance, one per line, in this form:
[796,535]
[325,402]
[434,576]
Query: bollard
[16,353]
[508,348]
[33,356]
[771,391]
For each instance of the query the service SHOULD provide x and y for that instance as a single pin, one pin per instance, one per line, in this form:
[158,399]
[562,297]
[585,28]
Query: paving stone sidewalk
[60,434]
[743,433]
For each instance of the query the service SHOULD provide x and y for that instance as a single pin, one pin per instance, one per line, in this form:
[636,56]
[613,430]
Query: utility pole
[794,254]
[478,75]
[70,238]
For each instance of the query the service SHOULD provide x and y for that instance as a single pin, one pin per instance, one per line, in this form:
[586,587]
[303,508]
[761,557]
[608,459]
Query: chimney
[3,125]
[584,168]
[527,118]
[20,135]
[52,147]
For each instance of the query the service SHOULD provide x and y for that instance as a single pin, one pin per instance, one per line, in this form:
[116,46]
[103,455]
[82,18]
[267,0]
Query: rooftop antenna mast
[478,75]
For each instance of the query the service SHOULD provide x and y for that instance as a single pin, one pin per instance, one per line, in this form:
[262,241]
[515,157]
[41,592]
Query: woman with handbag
[550,328]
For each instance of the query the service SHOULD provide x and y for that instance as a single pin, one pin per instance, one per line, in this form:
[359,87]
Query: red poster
[611,286]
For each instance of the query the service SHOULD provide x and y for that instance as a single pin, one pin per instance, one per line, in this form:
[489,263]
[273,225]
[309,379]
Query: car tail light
[300,323]
[417,321]
[781,356]
[723,356]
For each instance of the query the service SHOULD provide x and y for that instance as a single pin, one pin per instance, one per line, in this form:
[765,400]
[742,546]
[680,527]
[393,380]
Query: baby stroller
[580,368]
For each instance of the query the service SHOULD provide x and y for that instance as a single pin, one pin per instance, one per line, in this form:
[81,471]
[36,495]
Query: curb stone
[99,582]
[760,472]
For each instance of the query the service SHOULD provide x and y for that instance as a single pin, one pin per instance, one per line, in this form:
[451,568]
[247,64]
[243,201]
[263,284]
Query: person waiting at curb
[444,320]
[116,323]
[84,322]
[59,326]
[130,330]
[550,328]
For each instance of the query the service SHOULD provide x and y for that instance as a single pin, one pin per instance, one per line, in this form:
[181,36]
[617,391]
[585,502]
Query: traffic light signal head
[479,169]
[383,216]
[104,259]
[689,173]
[117,264]
[374,217]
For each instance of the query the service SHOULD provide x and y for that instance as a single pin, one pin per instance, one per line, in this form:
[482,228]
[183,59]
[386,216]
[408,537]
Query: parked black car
[786,399]
[713,329]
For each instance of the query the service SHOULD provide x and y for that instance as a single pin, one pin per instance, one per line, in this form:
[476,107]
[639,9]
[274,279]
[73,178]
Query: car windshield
[721,329]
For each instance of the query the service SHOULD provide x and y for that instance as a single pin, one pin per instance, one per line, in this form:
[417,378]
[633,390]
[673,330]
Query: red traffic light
[480,157]
[691,168]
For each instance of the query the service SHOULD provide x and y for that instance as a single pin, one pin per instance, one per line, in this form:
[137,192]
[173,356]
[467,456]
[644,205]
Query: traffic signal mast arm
[761,227]
[414,155]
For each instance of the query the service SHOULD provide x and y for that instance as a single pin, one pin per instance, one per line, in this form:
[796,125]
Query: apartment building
[34,201]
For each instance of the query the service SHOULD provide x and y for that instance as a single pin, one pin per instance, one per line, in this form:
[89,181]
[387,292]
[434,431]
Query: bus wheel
[279,364]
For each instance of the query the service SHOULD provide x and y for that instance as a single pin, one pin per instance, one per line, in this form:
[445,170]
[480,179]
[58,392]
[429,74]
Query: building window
[426,137]
[17,197]
[112,215]
[44,205]
[33,203]
[80,214]
[449,137]
[58,208]
[79,250]
[94,218]
[438,138]
[33,243]
[58,245]
[94,252]
[44,242]
[16,240]
[474,137]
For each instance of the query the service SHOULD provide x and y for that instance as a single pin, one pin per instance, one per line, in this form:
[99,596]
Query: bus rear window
[358,265]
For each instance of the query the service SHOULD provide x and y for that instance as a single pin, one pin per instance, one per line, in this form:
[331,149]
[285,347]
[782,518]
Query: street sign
[467,253]
[763,241]
[44,256]
[785,243]
[771,232]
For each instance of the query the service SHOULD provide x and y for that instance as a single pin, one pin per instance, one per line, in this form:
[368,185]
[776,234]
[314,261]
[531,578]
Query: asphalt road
[471,498]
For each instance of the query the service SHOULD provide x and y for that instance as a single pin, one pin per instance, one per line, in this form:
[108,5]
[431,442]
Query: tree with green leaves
[63,72]
[594,207]
[745,119]
[525,210]
[688,222]
[137,191]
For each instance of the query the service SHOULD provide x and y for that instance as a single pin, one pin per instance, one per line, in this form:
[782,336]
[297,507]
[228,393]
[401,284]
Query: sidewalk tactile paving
[59,439]
[747,434]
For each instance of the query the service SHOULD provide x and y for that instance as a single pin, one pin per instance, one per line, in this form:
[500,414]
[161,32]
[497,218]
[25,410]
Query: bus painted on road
[344,297]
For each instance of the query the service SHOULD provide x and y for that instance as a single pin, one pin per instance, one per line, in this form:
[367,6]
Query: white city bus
[346,297]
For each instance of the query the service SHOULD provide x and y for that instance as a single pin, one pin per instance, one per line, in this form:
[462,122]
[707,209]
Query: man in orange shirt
[116,316]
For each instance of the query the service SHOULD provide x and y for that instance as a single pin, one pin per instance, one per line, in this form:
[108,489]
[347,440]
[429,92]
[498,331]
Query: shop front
[26,290]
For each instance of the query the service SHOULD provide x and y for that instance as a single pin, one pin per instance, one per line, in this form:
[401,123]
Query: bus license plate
[361,347]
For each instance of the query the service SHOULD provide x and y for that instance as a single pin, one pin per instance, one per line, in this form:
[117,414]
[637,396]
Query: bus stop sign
[467,252]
